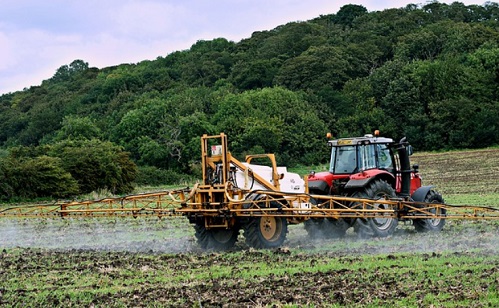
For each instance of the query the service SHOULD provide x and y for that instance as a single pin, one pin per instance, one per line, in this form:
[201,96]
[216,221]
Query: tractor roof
[366,139]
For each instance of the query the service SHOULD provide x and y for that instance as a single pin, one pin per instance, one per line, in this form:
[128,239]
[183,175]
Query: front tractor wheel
[215,239]
[431,224]
[378,226]
[266,231]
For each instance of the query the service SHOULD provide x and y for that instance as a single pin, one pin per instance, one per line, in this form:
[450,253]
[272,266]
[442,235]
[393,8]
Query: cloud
[147,20]
[6,52]
[32,53]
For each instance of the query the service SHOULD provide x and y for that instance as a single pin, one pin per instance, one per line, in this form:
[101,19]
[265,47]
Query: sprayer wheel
[431,224]
[215,239]
[266,231]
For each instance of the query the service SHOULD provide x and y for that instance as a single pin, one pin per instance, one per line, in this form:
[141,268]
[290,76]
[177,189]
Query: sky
[37,37]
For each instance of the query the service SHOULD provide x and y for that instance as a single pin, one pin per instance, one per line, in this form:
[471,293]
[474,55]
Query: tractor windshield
[343,160]
[352,159]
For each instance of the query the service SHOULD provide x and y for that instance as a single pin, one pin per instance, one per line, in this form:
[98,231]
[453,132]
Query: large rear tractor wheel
[265,231]
[431,224]
[215,239]
[326,228]
[379,226]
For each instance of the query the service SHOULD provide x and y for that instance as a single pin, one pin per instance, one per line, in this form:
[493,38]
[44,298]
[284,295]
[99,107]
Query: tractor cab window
[384,157]
[367,157]
[352,159]
[343,160]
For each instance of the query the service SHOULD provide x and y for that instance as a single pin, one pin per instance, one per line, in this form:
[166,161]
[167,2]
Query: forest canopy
[428,72]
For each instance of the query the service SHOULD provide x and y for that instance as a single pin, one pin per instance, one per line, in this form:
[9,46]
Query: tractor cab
[356,161]
[354,155]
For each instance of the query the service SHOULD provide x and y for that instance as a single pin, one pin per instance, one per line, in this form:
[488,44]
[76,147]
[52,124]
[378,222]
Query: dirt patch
[124,279]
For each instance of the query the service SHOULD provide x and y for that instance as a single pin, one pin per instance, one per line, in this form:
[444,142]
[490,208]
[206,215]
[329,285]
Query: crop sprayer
[370,187]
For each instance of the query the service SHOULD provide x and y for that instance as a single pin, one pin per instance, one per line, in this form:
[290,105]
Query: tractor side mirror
[410,150]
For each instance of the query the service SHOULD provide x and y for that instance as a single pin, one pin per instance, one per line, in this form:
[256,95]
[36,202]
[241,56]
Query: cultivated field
[150,262]
[463,177]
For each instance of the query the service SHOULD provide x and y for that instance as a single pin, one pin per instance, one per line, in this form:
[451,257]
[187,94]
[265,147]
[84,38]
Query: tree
[74,127]
[275,119]
[291,40]
[422,45]
[348,13]
[254,74]
[315,69]
[65,72]
[207,62]
[365,114]
[156,125]
[96,165]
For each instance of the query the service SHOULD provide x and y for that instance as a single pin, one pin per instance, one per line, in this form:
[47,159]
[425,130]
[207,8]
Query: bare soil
[148,262]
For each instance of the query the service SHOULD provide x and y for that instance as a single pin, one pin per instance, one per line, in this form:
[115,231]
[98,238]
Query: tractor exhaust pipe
[404,150]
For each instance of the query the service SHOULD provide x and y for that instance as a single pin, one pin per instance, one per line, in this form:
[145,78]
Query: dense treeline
[428,72]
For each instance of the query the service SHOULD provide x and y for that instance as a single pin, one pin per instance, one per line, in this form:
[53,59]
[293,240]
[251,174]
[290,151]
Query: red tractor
[370,167]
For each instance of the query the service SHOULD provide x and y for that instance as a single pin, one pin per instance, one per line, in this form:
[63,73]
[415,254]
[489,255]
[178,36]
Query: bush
[36,177]
[6,190]
[96,165]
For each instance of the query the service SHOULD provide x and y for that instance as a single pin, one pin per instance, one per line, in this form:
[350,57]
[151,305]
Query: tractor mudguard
[361,179]
[318,186]
[420,194]
[358,183]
